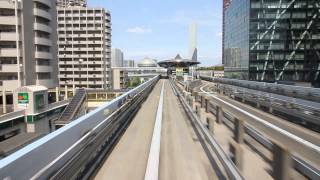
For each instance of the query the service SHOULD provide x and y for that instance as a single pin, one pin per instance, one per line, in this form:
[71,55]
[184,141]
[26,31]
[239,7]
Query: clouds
[139,30]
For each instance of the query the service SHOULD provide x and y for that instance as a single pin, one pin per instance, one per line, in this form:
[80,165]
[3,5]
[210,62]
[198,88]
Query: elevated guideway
[181,154]
[161,130]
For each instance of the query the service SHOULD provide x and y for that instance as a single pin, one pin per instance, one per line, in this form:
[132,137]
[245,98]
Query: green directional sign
[23,98]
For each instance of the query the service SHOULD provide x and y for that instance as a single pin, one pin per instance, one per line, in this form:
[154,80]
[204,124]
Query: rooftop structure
[147,62]
[178,62]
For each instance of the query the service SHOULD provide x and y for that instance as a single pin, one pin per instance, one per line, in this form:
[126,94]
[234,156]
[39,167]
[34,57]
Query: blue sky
[160,28]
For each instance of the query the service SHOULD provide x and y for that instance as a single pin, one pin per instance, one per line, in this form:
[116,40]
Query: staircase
[73,107]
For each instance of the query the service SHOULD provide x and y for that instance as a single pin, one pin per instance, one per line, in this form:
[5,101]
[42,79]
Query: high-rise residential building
[116,58]
[128,63]
[71,3]
[28,49]
[84,47]
[272,40]
[193,51]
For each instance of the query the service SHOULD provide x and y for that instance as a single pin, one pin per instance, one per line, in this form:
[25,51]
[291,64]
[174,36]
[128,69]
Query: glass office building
[272,40]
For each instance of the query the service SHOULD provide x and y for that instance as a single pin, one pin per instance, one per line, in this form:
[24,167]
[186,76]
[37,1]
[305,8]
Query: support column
[239,131]
[270,110]
[57,94]
[210,120]
[4,102]
[203,101]
[73,89]
[236,144]
[219,115]
[65,92]
[282,163]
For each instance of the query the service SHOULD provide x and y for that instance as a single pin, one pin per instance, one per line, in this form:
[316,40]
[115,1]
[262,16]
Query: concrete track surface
[181,154]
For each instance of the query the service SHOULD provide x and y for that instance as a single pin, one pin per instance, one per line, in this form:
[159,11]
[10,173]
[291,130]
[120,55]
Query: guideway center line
[152,170]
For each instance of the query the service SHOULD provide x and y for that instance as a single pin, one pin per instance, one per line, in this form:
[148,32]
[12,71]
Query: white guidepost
[152,170]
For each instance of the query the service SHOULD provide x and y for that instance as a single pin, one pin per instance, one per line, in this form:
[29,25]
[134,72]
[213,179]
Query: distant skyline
[160,28]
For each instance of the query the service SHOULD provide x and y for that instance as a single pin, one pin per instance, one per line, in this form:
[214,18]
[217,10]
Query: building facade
[28,44]
[119,78]
[272,40]
[116,58]
[84,47]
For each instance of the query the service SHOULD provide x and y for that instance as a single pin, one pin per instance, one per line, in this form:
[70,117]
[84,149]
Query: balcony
[49,83]
[9,68]
[10,85]
[43,55]
[43,41]
[8,36]
[8,5]
[44,69]
[8,20]
[8,52]
[46,2]
[42,13]
[42,27]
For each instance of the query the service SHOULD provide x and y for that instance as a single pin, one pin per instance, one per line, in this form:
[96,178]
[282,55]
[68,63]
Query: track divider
[152,170]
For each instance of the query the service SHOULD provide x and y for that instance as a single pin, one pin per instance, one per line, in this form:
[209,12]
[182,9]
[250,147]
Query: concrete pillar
[235,145]
[197,110]
[219,115]
[57,94]
[210,120]
[4,102]
[270,110]
[203,115]
[73,89]
[203,101]
[31,128]
[239,131]
[236,151]
[192,102]
[65,92]
[282,163]
[258,105]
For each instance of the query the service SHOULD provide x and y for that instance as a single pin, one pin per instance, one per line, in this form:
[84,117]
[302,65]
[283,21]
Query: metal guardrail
[230,168]
[298,163]
[307,93]
[267,131]
[45,157]
[286,139]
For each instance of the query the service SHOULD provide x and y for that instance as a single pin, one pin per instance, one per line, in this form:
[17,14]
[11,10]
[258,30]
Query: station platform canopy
[177,62]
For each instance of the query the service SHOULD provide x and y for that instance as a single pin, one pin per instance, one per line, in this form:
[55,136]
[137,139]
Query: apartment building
[84,40]
[28,49]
